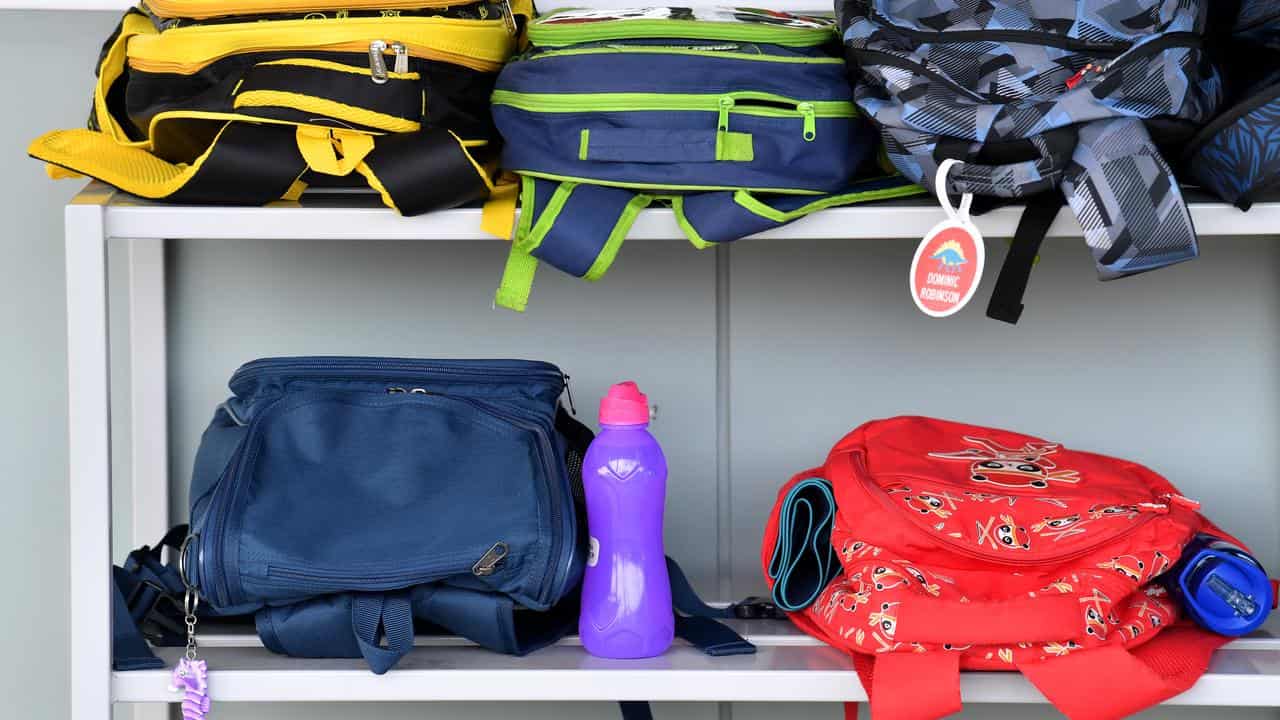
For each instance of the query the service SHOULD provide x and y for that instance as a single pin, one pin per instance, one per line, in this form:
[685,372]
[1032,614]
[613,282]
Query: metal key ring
[182,560]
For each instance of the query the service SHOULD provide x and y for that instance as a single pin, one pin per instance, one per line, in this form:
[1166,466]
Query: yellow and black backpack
[246,102]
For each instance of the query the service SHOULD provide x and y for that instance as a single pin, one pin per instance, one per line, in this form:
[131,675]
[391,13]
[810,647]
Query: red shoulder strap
[1112,682]
[910,685]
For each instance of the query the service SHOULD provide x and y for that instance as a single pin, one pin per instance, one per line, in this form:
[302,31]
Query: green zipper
[737,102]
[664,50]
[723,105]
[548,35]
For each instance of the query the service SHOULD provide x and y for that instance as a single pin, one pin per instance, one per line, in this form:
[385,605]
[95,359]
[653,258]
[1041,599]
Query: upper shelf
[65,4]
[789,666]
[360,216]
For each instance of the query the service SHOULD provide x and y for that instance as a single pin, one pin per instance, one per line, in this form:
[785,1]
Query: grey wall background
[1177,369]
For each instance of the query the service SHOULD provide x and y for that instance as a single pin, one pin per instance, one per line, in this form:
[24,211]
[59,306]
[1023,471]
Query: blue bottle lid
[1225,592]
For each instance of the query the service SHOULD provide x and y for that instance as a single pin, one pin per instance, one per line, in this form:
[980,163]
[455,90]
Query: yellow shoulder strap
[133,24]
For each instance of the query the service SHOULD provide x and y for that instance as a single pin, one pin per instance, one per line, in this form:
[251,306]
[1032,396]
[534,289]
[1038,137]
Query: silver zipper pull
[568,392]
[509,18]
[377,63]
[402,57]
[485,566]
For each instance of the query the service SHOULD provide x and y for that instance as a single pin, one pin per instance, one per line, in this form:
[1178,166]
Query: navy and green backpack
[740,119]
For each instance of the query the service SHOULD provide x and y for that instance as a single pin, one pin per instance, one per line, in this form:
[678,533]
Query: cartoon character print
[1008,535]
[1060,527]
[885,619]
[1057,649]
[919,576]
[579,17]
[858,549]
[1159,563]
[1152,609]
[1096,613]
[884,578]
[1017,468]
[990,497]
[1102,510]
[1126,565]
[845,599]
[939,504]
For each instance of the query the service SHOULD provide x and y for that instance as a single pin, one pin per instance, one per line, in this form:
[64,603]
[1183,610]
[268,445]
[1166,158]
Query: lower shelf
[789,667]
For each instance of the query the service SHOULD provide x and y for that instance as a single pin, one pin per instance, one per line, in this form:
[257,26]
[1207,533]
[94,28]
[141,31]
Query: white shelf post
[149,402]
[149,406]
[89,435]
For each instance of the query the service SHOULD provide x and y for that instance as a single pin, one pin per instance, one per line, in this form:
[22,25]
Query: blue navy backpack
[1237,155]
[739,119]
[1050,102]
[343,502]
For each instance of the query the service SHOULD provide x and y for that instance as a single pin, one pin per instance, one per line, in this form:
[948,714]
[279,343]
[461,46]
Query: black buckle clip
[161,622]
[758,608]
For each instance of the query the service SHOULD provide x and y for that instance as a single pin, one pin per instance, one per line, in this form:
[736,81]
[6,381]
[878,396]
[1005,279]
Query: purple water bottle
[626,594]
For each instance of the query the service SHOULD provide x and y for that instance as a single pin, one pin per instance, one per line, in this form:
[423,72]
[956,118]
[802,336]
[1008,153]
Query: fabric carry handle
[648,146]
[1015,273]
[372,617]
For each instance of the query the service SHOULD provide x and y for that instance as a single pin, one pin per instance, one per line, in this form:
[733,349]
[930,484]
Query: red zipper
[1153,510]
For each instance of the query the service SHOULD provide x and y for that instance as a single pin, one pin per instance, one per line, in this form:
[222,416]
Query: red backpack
[968,547]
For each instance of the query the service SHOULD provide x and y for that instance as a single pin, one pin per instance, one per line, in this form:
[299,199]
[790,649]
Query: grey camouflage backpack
[1037,96]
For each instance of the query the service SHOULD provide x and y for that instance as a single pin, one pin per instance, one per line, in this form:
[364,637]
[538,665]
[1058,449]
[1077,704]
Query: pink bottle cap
[624,405]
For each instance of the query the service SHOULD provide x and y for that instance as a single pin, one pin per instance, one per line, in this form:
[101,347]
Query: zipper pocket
[491,372]
[744,103]
[562,519]
[1172,40]
[1178,39]
[546,32]
[482,45]
[1149,512]
[732,52]
[372,578]
[881,57]
[1025,37]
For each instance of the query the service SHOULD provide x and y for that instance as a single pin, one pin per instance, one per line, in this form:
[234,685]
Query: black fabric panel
[425,171]
[250,165]
[400,98]
[458,99]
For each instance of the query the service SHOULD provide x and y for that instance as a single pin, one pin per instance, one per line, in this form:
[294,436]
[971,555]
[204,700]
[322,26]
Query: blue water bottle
[1221,587]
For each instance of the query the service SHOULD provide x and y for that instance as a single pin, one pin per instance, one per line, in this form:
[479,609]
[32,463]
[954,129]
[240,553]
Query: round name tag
[948,263]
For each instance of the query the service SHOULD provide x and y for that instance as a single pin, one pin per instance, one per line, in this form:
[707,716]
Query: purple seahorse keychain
[191,676]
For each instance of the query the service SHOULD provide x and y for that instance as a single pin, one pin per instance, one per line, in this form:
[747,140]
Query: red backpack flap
[972,547]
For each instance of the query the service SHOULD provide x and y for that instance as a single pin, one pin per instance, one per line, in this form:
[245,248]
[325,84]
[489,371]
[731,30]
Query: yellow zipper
[204,9]
[482,45]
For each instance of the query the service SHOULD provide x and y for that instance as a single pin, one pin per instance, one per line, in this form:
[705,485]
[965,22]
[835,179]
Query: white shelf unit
[789,666]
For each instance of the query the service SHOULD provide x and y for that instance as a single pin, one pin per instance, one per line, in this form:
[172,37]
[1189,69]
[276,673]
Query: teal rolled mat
[803,560]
